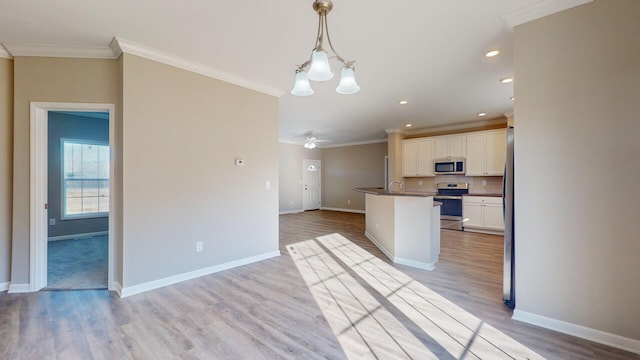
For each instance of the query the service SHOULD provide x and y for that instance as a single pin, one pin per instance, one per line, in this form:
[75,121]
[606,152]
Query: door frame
[304,171]
[38,231]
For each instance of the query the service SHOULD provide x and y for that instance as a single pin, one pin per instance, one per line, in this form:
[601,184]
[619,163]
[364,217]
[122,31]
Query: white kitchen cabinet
[449,146]
[486,153]
[482,214]
[417,157]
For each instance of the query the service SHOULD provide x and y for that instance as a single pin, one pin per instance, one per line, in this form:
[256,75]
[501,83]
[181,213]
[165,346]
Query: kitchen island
[405,226]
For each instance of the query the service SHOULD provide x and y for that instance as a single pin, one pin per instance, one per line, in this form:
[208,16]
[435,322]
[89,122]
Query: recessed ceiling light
[408,125]
[482,114]
[403,102]
[492,53]
[506,80]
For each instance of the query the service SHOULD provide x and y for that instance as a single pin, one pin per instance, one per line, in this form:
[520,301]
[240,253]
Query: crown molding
[324,146]
[366,142]
[290,142]
[4,53]
[394,131]
[41,50]
[119,46]
[459,126]
[538,10]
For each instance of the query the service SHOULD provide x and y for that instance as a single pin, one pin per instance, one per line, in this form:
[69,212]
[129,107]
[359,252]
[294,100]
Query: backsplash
[493,183]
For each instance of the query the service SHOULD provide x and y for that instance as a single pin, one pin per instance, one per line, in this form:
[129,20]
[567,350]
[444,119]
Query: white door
[311,170]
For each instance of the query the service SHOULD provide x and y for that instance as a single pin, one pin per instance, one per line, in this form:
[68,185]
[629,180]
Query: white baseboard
[397,260]
[415,264]
[4,286]
[19,288]
[290,212]
[379,245]
[598,336]
[151,285]
[115,286]
[483,231]
[343,210]
[78,236]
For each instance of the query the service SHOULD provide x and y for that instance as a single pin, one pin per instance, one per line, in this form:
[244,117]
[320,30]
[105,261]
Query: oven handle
[445,197]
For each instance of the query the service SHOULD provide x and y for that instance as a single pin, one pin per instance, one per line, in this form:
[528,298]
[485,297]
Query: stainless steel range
[450,195]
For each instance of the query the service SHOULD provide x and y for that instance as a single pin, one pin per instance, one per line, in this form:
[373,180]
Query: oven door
[450,211]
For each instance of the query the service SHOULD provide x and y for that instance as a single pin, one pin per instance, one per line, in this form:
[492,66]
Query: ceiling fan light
[348,83]
[320,69]
[302,86]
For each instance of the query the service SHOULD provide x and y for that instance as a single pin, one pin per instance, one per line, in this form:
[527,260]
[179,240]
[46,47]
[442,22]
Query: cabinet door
[476,154]
[425,158]
[496,152]
[493,218]
[457,146]
[409,158]
[472,214]
[440,148]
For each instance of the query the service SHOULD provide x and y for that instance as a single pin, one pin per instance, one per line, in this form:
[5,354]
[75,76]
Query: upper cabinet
[486,153]
[417,157]
[450,146]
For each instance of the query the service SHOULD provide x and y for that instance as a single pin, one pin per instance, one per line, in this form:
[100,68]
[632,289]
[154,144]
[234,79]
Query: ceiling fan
[311,141]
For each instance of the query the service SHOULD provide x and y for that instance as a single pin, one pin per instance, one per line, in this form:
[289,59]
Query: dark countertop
[488,195]
[382,191]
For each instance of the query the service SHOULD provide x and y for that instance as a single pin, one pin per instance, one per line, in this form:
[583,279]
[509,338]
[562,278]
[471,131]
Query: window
[85,179]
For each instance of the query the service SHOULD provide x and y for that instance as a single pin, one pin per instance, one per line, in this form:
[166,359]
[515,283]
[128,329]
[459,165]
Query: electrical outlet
[349,202]
[199,247]
[267,185]
[420,182]
[52,221]
[484,182]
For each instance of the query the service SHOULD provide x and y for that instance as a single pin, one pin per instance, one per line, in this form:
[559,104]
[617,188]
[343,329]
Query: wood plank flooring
[267,310]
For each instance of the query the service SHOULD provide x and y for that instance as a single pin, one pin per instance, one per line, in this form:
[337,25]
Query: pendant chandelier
[317,68]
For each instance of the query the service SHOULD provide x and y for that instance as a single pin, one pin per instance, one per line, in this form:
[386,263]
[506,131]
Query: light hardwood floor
[267,310]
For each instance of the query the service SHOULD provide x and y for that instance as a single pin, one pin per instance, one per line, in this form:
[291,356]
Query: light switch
[267,185]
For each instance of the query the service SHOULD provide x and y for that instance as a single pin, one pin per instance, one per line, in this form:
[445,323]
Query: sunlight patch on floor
[365,327]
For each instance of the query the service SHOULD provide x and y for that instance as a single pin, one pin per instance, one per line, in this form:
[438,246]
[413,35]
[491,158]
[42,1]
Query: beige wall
[47,80]
[290,167]
[348,167]
[577,107]
[6,161]
[181,134]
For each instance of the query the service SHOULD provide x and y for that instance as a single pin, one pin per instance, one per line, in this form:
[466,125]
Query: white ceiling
[428,52]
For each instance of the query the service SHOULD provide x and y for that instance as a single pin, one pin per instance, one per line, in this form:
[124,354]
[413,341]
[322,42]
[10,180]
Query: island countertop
[382,191]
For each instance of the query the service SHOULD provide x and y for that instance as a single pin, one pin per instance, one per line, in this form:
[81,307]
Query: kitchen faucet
[396,182]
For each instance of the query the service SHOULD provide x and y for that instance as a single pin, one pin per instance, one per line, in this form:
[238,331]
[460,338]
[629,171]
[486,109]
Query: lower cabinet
[482,213]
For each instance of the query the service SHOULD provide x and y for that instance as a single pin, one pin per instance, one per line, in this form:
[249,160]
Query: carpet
[77,263]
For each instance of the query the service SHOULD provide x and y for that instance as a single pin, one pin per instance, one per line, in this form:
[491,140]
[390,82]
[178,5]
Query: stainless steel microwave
[449,166]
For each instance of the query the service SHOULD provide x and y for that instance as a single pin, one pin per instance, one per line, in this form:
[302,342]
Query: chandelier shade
[301,86]
[348,83]
[318,68]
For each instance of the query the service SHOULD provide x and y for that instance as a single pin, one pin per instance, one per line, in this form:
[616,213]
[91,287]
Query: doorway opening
[78,200]
[82,190]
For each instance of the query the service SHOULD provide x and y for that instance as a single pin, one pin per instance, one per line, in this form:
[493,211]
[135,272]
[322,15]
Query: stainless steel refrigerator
[508,283]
